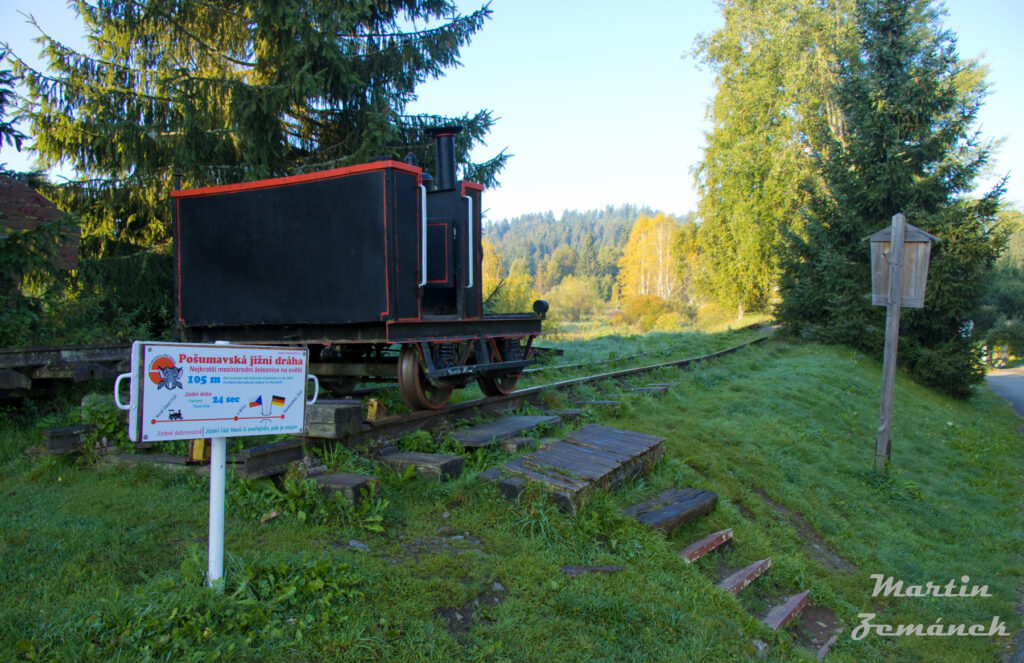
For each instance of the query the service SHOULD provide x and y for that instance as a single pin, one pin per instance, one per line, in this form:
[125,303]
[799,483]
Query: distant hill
[533,237]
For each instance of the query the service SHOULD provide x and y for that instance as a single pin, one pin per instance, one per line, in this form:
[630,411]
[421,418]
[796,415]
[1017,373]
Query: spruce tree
[908,103]
[9,134]
[206,92]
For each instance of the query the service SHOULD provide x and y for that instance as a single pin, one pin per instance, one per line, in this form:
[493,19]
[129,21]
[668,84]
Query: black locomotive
[376,274]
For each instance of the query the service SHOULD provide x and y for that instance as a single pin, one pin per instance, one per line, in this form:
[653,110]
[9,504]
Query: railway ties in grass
[677,507]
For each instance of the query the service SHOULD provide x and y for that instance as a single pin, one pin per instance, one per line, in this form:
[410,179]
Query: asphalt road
[1008,383]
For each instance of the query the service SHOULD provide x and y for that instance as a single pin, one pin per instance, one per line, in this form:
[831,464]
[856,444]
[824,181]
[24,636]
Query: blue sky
[601,103]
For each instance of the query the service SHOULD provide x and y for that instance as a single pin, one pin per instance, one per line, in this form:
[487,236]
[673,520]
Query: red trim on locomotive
[473,186]
[275,182]
[177,254]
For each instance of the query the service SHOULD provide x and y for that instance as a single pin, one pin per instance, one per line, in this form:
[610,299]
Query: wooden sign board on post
[899,273]
[917,249]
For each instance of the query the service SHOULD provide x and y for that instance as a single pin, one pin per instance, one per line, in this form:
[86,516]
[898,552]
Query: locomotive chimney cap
[448,130]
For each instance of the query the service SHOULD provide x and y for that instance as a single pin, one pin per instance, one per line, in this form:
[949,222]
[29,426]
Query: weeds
[304,500]
[339,458]
[540,517]
[274,601]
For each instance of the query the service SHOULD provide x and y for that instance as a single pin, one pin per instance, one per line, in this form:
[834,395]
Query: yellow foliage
[648,265]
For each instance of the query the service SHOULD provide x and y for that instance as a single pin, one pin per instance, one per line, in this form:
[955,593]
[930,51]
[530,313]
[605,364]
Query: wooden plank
[63,354]
[781,615]
[353,486]
[512,487]
[662,499]
[674,516]
[616,456]
[603,437]
[820,655]
[538,473]
[573,469]
[440,467]
[491,474]
[271,459]
[60,441]
[698,549]
[599,432]
[500,429]
[736,582]
[166,461]
[13,380]
[602,458]
[545,473]
[89,370]
[576,460]
[892,335]
[628,449]
[334,419]
[646,449]
[673,508]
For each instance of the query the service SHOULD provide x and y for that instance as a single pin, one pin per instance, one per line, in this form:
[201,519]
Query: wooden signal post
[899,272]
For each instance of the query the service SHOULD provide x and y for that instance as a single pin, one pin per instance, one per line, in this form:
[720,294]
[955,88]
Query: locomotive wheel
[502,386]
[417,392]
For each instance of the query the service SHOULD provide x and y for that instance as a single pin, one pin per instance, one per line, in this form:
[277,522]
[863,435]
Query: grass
[104,563]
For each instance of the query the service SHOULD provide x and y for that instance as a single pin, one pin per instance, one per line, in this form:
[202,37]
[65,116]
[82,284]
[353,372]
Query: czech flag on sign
[256,403]
[277,400]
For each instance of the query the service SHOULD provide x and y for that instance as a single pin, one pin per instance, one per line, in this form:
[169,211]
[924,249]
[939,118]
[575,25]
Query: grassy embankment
[104,562]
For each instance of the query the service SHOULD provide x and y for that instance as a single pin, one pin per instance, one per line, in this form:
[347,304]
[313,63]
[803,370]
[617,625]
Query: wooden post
[892,335]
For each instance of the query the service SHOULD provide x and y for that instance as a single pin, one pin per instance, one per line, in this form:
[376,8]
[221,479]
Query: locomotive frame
[376,274]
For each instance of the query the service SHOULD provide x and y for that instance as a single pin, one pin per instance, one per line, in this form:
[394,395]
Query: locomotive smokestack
[444,140]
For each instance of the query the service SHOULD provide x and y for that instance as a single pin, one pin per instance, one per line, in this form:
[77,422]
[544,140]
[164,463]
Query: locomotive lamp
[899,271]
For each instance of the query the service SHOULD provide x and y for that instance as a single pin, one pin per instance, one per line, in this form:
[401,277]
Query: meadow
[105,562]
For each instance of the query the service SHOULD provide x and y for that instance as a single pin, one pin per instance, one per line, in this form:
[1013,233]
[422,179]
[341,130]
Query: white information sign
[187,391]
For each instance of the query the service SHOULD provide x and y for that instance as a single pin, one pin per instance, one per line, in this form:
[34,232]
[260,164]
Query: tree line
[829,117]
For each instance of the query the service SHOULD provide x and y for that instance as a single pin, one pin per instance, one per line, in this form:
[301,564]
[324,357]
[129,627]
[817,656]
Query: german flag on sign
[277,400]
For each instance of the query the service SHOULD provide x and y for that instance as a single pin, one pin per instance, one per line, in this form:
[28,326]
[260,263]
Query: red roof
[24,208]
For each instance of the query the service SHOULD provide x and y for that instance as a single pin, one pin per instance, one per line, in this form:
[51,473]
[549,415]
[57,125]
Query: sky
[602,103]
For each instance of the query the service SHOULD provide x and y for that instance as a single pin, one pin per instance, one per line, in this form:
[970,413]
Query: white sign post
[183,391]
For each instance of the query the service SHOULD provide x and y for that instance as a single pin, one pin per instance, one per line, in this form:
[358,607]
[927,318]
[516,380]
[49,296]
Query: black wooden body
[335,259]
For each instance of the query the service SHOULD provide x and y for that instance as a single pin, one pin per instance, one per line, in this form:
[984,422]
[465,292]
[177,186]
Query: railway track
[23,369]
[268,459]
[338,419]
